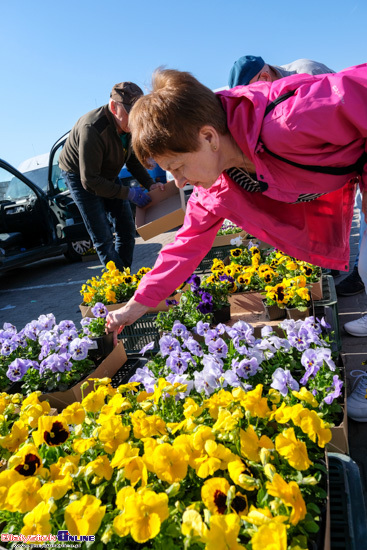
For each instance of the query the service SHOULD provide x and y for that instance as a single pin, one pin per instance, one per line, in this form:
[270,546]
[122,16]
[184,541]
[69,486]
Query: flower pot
[107,368]
[103,345]
[296,314]
[316,290]
[243,302]
[274,312]
[221,315]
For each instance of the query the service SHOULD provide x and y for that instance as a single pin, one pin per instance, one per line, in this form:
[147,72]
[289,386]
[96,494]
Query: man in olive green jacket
[95,151]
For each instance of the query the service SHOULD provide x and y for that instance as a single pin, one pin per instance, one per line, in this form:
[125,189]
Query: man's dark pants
[102,218]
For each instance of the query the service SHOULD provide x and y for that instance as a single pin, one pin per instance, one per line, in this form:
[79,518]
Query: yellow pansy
[84,516]
[260,516]
[122,495]
[284,414]
[226,421]
[242,476]
[253,402]
[223,533]
[101,467]
[26,461]
[294,450]
[52,430]
[56,489]
[94,401]
[185,444]
[110,296]
[191,408]
[270,536]
[169,463]
[144,513]
[311,424]
[200,437]
[135,471]
[192,524]
[251,443]
[147,426]
[7,479]
[37,522]
[290,494]
[64,465]
[17,436]
[214,494]
[305,395]
[123,455]
[74,413]
[217,457]
[80,446]
[221,399]
[113,433]
[23,495]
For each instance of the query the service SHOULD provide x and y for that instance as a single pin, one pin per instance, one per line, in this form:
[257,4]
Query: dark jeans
[102,218]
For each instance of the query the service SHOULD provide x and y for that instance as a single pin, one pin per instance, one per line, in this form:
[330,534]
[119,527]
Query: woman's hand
[364,204]
[126,315]
[157,185]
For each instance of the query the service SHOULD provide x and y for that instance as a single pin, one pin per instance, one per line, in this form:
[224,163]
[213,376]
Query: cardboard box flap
[165,212]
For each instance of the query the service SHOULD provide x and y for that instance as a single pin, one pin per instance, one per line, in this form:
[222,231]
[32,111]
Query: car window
[15,188]
[56,178]
[5,178]
[39,177]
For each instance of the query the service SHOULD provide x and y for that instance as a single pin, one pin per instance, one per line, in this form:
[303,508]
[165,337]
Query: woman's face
[200,168]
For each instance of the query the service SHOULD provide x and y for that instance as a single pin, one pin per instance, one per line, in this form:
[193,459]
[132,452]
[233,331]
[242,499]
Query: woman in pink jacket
[279,159]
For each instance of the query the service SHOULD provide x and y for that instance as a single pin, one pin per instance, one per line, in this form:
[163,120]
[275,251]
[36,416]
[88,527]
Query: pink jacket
[324,123]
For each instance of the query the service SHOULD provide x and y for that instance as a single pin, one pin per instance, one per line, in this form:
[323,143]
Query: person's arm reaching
[175,264]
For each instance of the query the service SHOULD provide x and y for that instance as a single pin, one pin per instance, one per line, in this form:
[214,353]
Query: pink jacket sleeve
[178,260]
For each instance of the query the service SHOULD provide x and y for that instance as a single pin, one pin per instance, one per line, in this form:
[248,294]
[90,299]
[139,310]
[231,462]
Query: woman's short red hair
[169,118]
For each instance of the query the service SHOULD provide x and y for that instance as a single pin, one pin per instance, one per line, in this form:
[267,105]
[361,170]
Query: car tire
[76,249]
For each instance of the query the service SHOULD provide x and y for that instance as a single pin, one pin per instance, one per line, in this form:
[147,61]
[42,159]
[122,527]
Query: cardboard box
[316,290]
[246,302]
[248,307]
[165,212]
[86,311]
[225,240]
[339,441]
[108,368]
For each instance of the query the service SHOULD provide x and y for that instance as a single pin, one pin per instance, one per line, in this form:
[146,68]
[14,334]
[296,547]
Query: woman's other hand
[126,315]
[157,185]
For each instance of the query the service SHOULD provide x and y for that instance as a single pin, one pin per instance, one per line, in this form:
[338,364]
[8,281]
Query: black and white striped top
[244,180]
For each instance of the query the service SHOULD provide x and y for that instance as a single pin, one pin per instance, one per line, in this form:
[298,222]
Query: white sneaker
[357,401]
[357,327]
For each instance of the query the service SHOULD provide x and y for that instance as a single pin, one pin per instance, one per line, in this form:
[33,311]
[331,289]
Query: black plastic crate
[141,333]
[328,308]
[348,521]
[220,252]
[127,370]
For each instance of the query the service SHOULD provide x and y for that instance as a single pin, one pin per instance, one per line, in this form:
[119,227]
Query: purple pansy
[336,392]
[78,348]
[18,368]
[218,347]
[248,367]
[168,344]
[202,328]
[282,380]
[147,347]
[99,310]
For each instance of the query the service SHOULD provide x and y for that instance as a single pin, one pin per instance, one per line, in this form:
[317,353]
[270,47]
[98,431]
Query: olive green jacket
[95,152]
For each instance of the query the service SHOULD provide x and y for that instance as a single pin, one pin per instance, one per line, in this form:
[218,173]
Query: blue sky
[60,59]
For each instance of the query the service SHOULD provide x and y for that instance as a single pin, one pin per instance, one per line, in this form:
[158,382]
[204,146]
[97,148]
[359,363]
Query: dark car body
[36,224]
